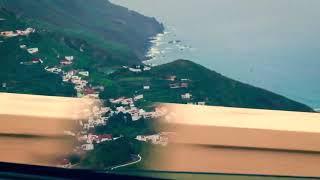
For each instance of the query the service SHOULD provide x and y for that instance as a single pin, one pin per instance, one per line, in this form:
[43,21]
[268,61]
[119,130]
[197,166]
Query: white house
[33,50]
[87,147]
[84,73]
[69,58]
[26,32]
[23,46]
[29,30]
[53,70]
[154,139]
[76,77]
[142,111]
[146,68]
[120,109]
[135,117]
[65,79]
[146,87]
[186,96]
[76,80]
[135,70]
[150,138]
[171,78]
[138,97]
[71,73]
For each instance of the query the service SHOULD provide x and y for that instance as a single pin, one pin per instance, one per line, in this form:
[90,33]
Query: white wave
[153,51]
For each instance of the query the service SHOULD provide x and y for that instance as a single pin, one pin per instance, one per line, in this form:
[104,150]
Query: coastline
[244,72]
[152,49]
[166,47]
[156,54]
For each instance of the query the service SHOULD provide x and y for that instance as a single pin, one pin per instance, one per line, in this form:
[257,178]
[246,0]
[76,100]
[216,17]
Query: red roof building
[105,137]
[184,85]
[36,60]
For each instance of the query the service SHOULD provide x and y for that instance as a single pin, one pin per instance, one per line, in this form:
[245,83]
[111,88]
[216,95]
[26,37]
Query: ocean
[270,44]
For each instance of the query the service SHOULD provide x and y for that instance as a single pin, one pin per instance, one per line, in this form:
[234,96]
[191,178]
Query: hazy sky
[241,25]
[273,44]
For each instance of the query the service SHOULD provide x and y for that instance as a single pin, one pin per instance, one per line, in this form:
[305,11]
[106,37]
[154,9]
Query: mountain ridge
[203,84]
[101,18]
[266,99]
[110,69]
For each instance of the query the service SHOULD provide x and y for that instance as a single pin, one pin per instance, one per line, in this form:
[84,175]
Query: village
[9,34]
[100,114]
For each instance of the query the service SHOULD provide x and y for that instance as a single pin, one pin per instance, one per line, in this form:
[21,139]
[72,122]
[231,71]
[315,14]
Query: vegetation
[53,43]
[74,159]
[122,125]
[99,22]
[216,89]
[111,153]
[69,28]
[205,86]
[102,46]
[27,79]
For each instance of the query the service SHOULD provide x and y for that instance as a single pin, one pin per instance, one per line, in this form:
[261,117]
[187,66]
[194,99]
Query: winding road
[138,157]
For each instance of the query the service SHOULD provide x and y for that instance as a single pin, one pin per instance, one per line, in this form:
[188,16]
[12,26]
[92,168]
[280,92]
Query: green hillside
[204,85]
[106,40]
[53,43]
[99,22]
[28,79]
